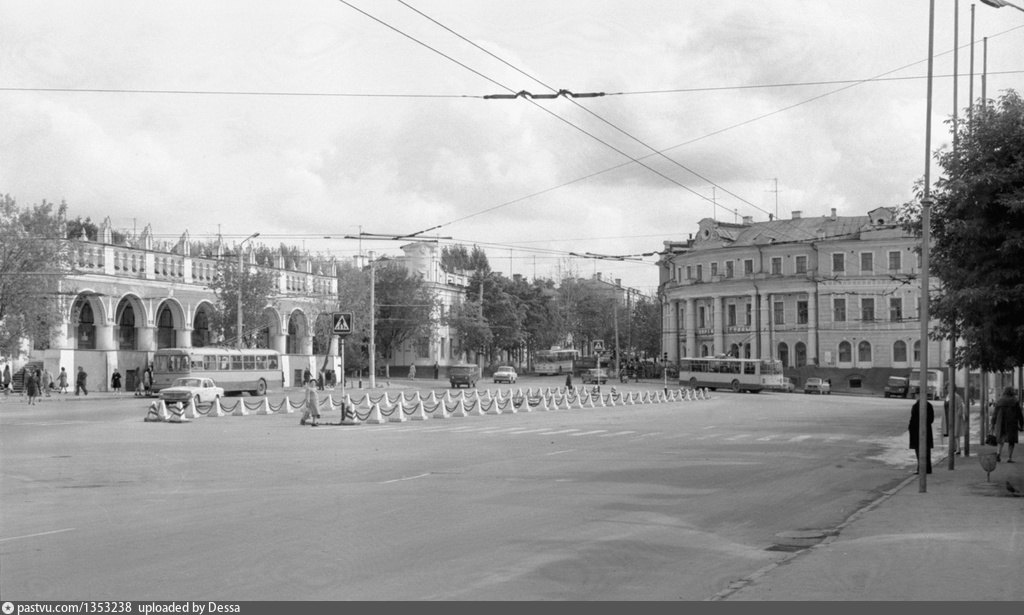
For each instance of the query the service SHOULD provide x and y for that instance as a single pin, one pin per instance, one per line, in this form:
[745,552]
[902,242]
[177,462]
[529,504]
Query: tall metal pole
[241,271]
[373,318]
[951,419]
[926,201]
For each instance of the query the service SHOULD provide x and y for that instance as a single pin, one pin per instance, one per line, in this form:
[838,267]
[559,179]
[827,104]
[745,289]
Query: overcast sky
[325,117]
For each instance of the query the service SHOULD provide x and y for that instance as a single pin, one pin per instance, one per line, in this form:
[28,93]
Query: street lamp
[1000,4]
[238,340]
[924,453]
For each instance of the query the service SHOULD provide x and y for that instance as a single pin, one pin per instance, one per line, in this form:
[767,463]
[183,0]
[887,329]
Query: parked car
[191,390]
[787,386]
[896,386]
[505,373]
[464,375]
[595,376]
[817,385]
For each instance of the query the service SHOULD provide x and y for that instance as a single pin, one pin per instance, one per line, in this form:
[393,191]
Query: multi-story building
[831,296]
[125,300]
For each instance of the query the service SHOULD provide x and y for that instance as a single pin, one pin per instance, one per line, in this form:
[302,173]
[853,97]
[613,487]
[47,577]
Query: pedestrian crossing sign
[342,323]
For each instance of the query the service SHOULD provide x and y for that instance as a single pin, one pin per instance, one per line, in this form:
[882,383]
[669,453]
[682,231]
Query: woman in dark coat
[1006,422]
[915,437]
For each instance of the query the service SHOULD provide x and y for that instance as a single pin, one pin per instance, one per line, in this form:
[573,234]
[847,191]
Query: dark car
[896,386]
[463,375]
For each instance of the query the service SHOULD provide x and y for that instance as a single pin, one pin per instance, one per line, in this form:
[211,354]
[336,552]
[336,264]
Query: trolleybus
[254,370]
[738,375]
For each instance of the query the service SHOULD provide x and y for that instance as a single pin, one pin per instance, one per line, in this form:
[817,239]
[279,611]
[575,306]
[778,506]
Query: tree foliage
[978,237]
[257,288]
[34,258]
[405,307]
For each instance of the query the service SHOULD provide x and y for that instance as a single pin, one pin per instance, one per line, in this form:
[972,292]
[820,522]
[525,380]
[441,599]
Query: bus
[936,388]
[252,370]
[753,375]
[554,361]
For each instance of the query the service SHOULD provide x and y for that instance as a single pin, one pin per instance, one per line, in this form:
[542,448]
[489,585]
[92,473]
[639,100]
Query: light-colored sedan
[506,373]
[191,390]
[595,376]
[817,385]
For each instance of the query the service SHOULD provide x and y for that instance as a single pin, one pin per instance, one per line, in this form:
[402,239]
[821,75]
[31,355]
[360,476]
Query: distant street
[636,502]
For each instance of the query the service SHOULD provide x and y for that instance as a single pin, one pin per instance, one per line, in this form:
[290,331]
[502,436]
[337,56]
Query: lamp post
[238,340]
[924,453]
[1001,3]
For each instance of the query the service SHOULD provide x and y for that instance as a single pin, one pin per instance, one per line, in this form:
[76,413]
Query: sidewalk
[962,539]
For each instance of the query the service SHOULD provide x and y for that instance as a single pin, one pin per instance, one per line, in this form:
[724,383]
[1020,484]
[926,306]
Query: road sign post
[342,328]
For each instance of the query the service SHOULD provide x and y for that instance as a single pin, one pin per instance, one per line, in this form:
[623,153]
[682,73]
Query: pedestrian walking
[115,382]
[1006,422]
[147,380]
[45,383]
[568,380]
[412,372]
[7,379]
[62,381]
[915,436]
[306,376]
[311,411]
[80,381]
[31,386]
[437,370]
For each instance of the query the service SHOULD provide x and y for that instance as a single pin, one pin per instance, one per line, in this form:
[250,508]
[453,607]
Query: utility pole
[373,318]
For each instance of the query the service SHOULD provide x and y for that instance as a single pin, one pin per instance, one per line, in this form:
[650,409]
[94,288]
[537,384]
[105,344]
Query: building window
[899,352]
[731,315]
[729,269]
[126,327]
[700,272]
[776,265]
[702,317]
[734,351]
[917,351]
[867,309]
[838,262]
[896,310]
[704,351]
[801,354]
[165,334]
[864,352]
[845,352]
[801,264]
[86,333]
[867,262]
[714,269]
[784,354]
[750,313]
[895,260]
[423,348]
[779,313]
[746,351]
[801,312]
[839,310]
[748,266]
[689,272]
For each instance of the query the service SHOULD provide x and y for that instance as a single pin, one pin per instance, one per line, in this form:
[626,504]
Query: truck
[936,388]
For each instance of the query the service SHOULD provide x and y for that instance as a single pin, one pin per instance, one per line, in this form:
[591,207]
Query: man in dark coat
[915,428]
[1007,420]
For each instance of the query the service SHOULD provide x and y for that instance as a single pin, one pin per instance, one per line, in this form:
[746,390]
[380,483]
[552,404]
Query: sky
[315,121]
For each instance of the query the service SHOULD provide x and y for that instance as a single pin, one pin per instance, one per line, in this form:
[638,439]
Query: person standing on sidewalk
[955,420]
[915,436]
[1006,422]
[31,386]
[115,382]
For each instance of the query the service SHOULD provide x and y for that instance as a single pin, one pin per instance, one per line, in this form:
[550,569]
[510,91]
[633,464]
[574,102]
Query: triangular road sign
[342,323]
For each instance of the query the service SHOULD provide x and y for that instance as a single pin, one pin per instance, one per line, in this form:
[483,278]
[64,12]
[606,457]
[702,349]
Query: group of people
[1006,423]
[37,383]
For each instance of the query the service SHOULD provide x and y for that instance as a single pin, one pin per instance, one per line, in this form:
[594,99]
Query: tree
[978,237]
[406,309]
[470,327]
[257,286]
[647,327]
[34,258]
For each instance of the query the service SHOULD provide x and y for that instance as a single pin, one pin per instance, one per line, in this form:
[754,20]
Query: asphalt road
[638,502]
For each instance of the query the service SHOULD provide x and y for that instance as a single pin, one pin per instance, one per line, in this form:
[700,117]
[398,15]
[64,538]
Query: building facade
[124,301]
[833,296]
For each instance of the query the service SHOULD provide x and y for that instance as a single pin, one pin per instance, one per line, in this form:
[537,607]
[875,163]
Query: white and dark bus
[252,370]
[753,375]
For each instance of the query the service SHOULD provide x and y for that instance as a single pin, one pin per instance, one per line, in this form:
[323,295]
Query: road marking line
[589,433]
[617,433]
[39,534]
[739,437]
[800,438]
[569,450]
[551,433]
[397,480]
